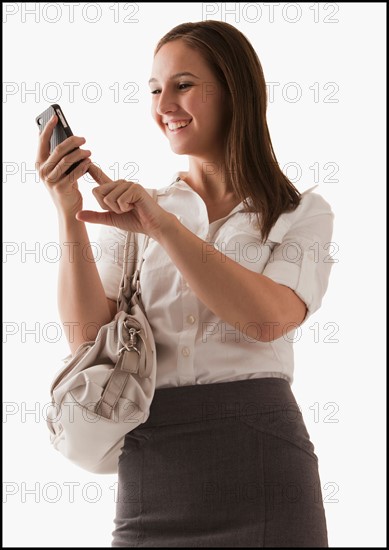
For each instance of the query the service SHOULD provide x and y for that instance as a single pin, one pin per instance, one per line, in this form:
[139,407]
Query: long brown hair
[251,167]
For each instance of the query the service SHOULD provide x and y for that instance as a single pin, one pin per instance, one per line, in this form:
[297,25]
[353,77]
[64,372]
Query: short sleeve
[302,260]
[109,259]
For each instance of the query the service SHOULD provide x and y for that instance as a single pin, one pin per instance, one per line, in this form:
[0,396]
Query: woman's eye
[154,92]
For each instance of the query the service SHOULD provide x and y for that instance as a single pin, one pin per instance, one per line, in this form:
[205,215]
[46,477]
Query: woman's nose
[166,103]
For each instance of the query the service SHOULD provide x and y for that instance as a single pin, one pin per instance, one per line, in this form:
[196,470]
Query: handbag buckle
[131,345]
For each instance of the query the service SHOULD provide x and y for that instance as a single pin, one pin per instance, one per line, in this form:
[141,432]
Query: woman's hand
[52,167]
[129,206]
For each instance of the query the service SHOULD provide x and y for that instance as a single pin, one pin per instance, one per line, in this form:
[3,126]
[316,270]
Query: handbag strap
[129,293]
[134,248]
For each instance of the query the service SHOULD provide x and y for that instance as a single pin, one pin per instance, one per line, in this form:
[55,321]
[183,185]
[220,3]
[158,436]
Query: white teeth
[179,124]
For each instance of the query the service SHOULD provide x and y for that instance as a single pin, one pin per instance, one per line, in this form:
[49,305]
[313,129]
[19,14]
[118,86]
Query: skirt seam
[270,432]
[282,436]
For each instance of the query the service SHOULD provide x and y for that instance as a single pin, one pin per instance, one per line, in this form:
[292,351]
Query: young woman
[234,265]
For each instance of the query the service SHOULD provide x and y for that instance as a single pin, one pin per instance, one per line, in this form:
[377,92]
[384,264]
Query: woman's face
[199,99]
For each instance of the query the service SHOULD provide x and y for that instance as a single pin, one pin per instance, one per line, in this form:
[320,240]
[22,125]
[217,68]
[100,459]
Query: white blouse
[193,345]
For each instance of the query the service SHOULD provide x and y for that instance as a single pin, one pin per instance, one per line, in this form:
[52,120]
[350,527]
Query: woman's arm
[252,303]
[82,304]
[257,306]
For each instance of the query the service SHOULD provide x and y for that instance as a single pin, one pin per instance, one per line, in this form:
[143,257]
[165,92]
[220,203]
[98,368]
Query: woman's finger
[76,174]
[104,218]
[65,148]
[126,200]
[114,199]
[59,172]
[98,175]
[101,192]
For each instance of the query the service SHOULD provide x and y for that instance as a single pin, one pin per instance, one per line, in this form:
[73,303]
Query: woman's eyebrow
[175,76]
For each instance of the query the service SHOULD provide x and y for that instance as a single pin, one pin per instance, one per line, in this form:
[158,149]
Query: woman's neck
[209,182]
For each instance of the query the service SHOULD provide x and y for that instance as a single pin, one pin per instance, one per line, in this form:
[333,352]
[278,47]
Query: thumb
[104,218]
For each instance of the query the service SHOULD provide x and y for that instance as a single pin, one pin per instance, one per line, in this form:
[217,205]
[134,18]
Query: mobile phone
[61,130]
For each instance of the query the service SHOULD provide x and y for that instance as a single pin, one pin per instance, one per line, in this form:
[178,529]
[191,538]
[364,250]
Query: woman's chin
[181,150]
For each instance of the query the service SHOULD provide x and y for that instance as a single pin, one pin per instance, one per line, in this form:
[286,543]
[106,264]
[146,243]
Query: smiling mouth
[179,129]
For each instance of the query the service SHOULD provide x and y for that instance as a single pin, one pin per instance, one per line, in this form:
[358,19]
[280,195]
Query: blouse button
[191,319]
[185,351]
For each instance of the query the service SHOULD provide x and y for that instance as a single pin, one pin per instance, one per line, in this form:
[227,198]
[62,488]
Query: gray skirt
[221,465]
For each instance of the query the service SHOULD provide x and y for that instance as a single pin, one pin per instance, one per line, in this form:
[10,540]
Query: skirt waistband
[243,399]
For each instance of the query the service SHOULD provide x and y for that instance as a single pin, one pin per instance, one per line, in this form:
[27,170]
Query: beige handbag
[106,388]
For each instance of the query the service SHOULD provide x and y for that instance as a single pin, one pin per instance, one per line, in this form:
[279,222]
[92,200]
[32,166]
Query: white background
[340,378]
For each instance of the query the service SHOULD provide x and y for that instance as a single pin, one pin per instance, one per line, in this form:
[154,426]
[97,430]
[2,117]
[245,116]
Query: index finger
[98,175]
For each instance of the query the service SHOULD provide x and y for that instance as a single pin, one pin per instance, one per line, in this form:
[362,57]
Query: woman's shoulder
[314,214]
[312,204]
